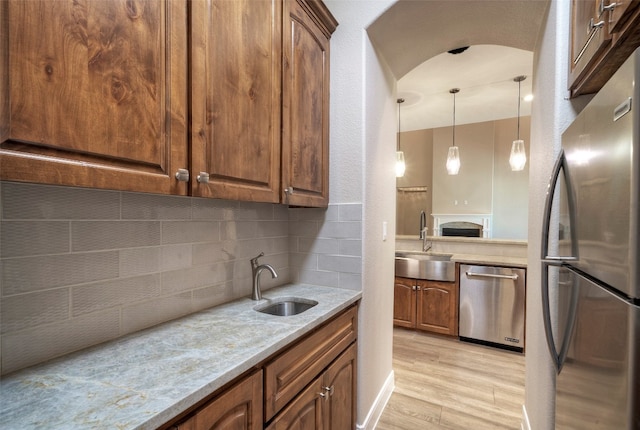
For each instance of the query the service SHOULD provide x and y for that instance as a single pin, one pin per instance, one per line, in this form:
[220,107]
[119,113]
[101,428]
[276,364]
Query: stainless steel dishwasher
[492,303]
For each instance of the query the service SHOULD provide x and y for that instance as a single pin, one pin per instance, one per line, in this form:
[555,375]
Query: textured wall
[79,267]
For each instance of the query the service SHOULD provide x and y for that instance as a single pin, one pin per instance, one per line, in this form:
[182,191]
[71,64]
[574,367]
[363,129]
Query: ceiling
[483,73]
[501,34]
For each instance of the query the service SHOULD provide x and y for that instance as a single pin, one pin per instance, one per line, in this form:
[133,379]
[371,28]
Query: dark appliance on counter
[492,306]
[590,261]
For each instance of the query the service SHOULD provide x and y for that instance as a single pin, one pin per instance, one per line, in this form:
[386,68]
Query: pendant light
[518,157]
[400,164]
[453,156]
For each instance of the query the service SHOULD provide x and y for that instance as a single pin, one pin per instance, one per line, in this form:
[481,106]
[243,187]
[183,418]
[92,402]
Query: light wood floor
[442,383]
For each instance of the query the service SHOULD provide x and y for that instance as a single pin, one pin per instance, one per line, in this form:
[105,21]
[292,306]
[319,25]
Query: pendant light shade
[453,156]
[400,164]
[518,157]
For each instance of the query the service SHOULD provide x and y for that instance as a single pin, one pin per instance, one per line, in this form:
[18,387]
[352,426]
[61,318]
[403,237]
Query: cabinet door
[404,302]
[304,412]
[339,383]
[305,107]
[98,94]
[239,408]
[437,307]
[235,99]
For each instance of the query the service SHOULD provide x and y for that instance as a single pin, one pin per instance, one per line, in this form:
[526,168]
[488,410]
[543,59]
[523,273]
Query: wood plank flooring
[442,383]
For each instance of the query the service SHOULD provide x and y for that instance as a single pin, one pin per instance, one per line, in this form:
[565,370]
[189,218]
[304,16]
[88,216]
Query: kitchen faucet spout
[257,269]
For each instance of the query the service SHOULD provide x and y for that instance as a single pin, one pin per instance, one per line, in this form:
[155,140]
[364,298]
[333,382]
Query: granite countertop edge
[145,379]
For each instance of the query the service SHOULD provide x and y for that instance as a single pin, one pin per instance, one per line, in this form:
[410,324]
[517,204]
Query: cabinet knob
[203,178]
[288,190]
[182,175]
[328,390]
[416,288]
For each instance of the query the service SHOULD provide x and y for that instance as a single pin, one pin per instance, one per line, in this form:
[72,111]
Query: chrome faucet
[423,233]
[256,294]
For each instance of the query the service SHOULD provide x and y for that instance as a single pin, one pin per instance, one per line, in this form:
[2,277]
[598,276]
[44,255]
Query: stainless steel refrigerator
[591,261]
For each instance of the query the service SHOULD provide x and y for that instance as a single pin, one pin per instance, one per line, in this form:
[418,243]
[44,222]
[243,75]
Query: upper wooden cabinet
[235,99]
[603,34]
[97,93]
[126,94]
[308,25]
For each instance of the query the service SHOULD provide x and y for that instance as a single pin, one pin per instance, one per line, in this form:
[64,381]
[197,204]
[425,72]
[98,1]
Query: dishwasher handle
[513,277]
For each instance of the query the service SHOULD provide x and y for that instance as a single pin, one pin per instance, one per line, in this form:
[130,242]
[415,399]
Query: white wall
[363,133]
[551,114]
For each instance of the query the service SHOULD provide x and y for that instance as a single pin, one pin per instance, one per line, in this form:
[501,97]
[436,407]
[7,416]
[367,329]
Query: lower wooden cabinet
[426,305]
[327,403]
[238,408]
[308,385]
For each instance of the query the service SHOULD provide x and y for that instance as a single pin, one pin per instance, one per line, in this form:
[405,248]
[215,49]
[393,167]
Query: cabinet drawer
[291,371]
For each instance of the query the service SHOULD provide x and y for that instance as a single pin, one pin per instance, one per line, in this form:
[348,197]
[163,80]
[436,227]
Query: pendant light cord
[400,101]
[454,119]
[519,82]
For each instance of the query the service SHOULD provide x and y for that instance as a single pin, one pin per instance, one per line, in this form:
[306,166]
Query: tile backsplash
[79,266]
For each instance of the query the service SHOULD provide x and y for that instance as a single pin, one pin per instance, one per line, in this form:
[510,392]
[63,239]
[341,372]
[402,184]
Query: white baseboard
[378,406]
[525,424]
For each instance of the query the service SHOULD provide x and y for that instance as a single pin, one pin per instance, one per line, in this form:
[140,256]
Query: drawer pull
[490,275]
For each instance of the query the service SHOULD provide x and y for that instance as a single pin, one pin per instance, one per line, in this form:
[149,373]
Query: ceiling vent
[458,50]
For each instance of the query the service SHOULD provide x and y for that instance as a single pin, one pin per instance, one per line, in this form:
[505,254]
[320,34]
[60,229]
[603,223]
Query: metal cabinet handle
[415,288]
[593,25]
[328,390]
[203,178]
[602,9]
[288,190]
[182,175]
[491,275]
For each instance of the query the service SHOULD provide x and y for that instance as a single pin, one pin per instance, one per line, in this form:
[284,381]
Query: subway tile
[32,201]
[176,256]
[236,230]
[190,232]
[318,246]
[205,253]
[272,229]
[213,209]
[99,235]
[108,294]
[302,260]
[341,230]
[304,228]
[23,238]
[30,310]
[340,263]
[142,315]
[350,212]
[314,214]
[254,211]
[204,298]
[27,274]
[138,261]
[316,277]
[139,206]
[350,247]
[351,281]
[281,213]
[196,277]
[41,343]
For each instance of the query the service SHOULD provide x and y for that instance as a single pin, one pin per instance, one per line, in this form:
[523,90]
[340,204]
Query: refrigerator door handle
[560,166]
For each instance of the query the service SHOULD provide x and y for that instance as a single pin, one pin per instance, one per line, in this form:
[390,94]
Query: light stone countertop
[492,260]
[143,380]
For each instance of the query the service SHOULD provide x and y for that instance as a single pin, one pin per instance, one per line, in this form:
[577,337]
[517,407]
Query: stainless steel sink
[285,306]
[425,266]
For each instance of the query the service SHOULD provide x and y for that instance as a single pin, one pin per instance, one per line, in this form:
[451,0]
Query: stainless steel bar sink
[431,267]
[285,306]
